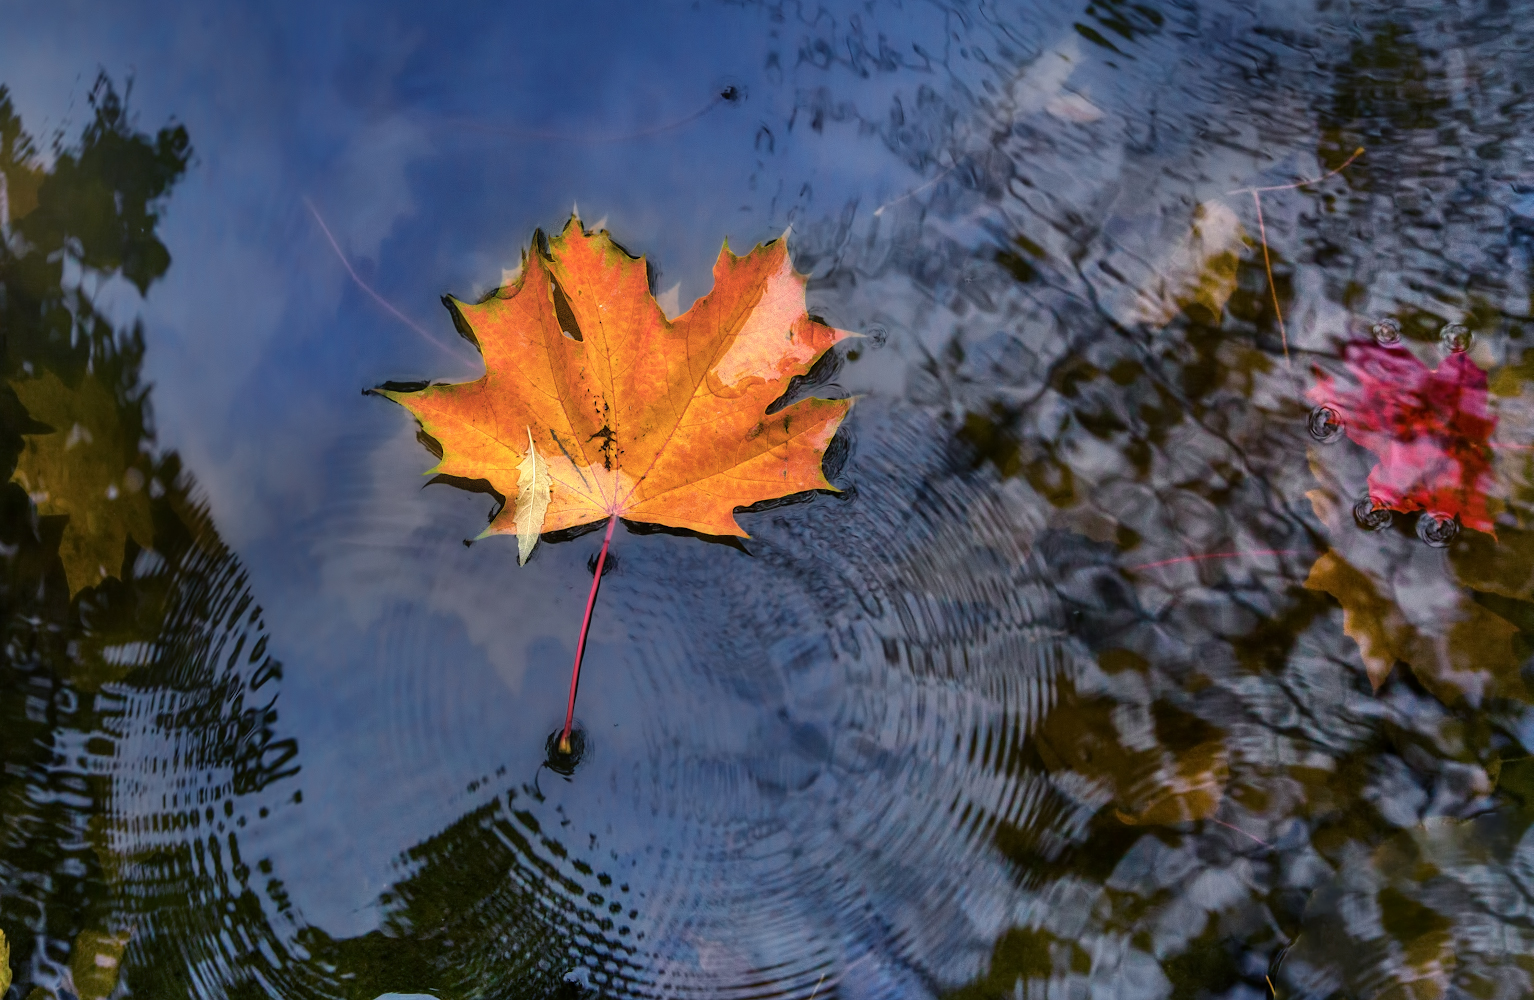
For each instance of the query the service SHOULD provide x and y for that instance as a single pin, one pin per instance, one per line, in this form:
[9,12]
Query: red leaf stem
[1215,555]
[580,646]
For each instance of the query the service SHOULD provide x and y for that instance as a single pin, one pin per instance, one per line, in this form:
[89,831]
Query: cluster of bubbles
[1454,338]
[1325,425]
[1436,529]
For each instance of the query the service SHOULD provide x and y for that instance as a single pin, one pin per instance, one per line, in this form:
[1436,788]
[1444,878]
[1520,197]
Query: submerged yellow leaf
[86,468]
[96,963]
[1149,785]
[1199,270]
[532,499]
[1377,625]
[1468,651]
[5,964]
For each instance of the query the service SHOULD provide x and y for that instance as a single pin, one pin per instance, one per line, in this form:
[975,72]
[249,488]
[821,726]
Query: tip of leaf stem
[565,754]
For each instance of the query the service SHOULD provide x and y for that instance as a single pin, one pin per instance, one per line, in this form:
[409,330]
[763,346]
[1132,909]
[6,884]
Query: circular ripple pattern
[1386,332]
[1325,424]
[1455,338]
[803,751]
[838,758]
[812,762]
[1438,530]
[1370,516]
[197,767]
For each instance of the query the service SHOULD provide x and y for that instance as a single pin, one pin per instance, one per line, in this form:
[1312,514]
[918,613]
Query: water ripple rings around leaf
[811,763]
[189,834]
[787,745]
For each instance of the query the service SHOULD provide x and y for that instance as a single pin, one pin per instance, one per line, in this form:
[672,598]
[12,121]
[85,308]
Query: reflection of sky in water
[259,343]
[780,760]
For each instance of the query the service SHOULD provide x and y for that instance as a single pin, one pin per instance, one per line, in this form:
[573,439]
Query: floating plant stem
[1262,231]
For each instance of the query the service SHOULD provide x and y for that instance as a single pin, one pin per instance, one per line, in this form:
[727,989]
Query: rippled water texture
[1168,637]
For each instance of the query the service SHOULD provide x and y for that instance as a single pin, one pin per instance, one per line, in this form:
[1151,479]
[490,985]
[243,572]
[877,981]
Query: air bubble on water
[1370,515]
[1324,424]
[562,761]
[1455,338]
[730,90]
[877,336]
[1438,530]
[1387,332]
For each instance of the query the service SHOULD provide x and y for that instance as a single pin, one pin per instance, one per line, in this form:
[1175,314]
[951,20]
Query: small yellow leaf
[1377,625]
[532,499]
[96,962]
[86,469]
[5,964]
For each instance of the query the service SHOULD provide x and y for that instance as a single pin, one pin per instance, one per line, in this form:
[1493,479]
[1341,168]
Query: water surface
[1040,704]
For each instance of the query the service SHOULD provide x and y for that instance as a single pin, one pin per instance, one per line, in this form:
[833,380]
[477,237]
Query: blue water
[1040,705]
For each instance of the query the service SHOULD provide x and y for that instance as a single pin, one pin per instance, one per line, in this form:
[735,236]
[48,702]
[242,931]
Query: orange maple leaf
[595,406]
[636,416]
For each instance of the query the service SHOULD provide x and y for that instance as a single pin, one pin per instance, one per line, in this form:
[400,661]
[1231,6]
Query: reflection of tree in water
[138,720]
[137,699]
[486,914]
[1246,789]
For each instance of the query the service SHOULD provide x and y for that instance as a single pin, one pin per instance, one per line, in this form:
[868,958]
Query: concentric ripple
[166,760]
[805,763]
[816,749]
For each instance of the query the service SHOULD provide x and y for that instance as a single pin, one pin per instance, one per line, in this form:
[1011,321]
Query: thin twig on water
[1214,555]
[586,138]
[1262,231]
[387,305]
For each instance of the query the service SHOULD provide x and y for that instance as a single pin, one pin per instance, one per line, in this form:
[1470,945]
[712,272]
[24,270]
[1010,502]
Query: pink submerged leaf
[1429,427]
